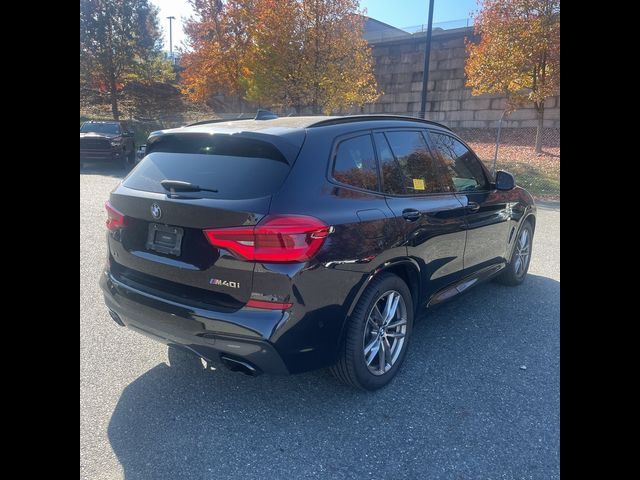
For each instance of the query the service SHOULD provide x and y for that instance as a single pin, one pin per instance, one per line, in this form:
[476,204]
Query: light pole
[170,38]
[427,54]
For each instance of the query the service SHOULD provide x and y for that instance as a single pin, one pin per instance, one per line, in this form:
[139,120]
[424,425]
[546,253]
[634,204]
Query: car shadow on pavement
[462,405]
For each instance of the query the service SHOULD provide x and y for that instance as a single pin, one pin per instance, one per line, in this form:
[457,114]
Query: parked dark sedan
[289,244]
[107,141]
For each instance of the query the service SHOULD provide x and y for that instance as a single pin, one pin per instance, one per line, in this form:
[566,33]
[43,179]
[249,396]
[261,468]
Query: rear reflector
[268,305]
[115,219]
[275,239]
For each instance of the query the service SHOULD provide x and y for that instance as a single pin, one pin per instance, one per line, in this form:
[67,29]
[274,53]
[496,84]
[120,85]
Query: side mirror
[504,180]
[127,134]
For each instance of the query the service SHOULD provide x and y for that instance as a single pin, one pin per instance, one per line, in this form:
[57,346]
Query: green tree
[120,42]
[338,66]
[518,53]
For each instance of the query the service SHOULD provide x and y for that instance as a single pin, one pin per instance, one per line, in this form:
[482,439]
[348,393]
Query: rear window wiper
[175,186]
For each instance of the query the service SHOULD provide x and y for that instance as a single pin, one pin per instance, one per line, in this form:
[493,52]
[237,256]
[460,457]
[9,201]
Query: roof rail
[360,118]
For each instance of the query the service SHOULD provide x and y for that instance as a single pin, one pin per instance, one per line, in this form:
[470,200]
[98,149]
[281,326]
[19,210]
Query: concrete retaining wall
[399,65]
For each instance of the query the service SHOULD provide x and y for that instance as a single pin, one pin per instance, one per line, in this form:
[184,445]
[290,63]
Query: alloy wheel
[384,332]
[523,250]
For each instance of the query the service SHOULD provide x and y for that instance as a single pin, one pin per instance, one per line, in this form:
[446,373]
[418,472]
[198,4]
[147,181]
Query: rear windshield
[237,167]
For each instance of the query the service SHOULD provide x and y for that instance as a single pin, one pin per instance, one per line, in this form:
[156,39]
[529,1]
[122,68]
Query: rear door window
[239,168]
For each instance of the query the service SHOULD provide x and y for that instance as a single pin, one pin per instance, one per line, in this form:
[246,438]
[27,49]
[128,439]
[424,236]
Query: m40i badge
[224,283]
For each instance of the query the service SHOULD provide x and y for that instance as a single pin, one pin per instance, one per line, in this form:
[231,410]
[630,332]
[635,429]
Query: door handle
[473,207]
[411,214]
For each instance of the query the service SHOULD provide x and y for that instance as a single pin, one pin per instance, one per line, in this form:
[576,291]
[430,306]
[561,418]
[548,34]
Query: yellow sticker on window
[418,184]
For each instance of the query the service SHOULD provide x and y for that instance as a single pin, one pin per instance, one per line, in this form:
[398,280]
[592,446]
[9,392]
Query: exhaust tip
[239,366]
[116,318]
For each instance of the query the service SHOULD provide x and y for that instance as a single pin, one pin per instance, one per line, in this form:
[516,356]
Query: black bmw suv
[290,244]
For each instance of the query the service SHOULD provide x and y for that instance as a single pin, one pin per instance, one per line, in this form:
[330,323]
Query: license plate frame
[165,239]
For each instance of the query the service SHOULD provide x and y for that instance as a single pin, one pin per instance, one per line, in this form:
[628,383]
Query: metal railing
[449,25]
[384,34]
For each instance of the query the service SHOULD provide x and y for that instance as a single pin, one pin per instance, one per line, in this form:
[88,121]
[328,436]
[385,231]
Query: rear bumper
[241,335]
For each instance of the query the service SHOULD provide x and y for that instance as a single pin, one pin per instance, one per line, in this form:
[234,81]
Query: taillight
[275,239]
[115,219]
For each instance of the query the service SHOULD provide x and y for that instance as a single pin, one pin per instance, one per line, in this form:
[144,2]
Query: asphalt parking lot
[463,406]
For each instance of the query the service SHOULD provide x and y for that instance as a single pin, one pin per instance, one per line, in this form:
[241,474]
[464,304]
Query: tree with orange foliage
[217,46]
[518,53]
[283,53]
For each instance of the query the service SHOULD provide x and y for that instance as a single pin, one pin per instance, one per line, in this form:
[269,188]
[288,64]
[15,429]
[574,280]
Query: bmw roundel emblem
[156,212]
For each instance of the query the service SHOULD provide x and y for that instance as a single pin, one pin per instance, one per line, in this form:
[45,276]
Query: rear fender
[414,283]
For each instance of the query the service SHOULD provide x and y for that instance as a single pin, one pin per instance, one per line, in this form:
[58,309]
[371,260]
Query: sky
[399,13]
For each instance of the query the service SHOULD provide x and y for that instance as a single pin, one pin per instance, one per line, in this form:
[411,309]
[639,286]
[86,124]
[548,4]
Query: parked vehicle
[290,244]
[107,141]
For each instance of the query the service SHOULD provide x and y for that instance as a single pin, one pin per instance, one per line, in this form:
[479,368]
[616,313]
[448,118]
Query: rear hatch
[160,246]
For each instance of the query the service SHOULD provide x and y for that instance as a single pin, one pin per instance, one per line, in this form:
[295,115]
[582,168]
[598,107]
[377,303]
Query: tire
[516,271]
[352,368]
